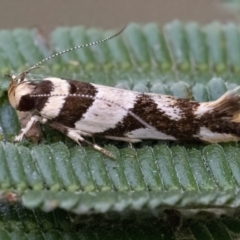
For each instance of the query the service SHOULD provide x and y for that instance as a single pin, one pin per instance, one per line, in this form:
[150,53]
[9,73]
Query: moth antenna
[37,65]
[74,48]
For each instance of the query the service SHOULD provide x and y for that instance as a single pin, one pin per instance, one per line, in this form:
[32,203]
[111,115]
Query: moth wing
[227,106]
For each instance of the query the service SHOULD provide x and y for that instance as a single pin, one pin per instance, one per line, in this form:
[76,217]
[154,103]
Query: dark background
[47,14]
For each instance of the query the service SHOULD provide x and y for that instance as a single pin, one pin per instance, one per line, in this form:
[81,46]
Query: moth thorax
[17,90]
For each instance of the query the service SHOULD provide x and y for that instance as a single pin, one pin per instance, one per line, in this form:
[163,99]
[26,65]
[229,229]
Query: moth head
[18,87]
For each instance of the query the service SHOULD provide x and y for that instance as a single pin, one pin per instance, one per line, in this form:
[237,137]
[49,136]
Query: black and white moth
[79,110]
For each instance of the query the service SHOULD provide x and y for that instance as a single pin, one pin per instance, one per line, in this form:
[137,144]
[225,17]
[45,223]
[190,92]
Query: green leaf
[20,223]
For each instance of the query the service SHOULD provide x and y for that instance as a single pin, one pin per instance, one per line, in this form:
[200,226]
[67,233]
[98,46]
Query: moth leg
[23,131]
[125,139]
[34,134]
[75,136]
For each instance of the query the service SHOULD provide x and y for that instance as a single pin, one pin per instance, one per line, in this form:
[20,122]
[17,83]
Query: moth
[83,110]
